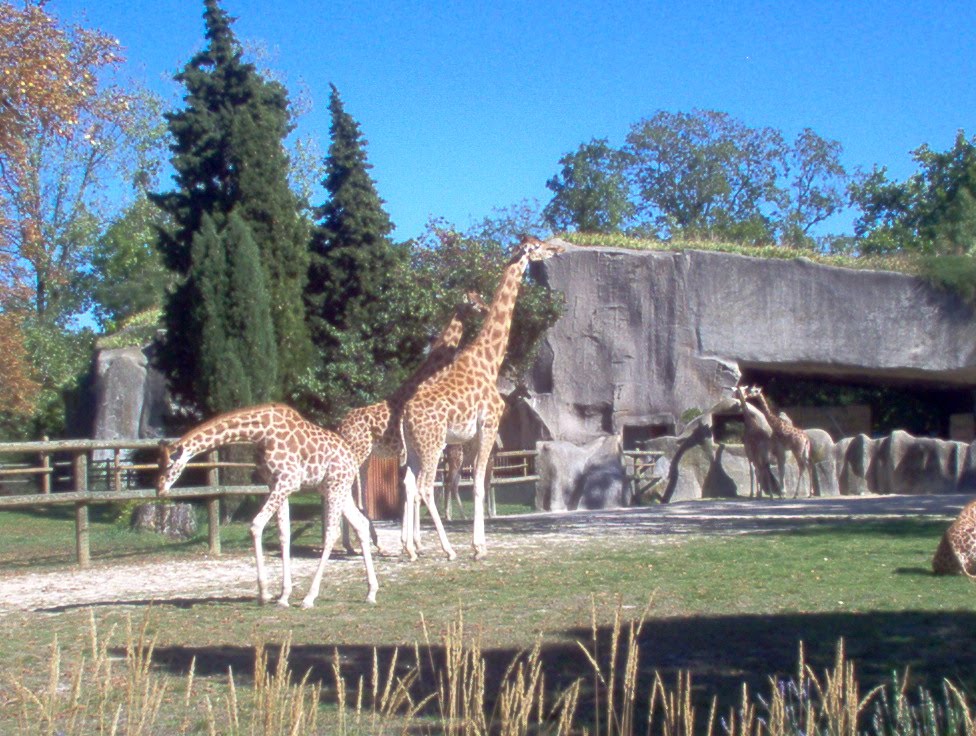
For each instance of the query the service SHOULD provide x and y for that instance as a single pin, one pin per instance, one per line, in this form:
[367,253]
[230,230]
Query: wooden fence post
[46,467]
[82,541]
[213,506]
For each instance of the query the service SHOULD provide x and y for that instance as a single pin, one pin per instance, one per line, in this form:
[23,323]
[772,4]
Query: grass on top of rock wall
[903,263]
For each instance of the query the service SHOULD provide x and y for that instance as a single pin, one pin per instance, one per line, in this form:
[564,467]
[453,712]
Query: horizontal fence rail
[84,473]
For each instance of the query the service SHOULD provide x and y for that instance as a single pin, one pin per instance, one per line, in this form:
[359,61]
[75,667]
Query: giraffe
[293,453]
[786,436]
[463,405]
[957,548]
[375,429]
[457,457]
[757,439]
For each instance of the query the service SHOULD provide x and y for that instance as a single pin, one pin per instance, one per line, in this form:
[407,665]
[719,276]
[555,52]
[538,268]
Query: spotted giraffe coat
[957,549]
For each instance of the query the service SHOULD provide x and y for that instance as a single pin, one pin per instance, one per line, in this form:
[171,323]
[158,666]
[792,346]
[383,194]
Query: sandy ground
[54,590]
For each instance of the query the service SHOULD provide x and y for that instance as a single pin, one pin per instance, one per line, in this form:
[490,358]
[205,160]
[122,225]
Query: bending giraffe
[375,429]
[294,453]
[786,436]
[463,405]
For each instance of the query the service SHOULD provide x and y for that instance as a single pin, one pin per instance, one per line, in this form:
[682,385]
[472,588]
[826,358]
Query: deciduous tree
[930,212]
[590,192]
[64,133]
[705,174]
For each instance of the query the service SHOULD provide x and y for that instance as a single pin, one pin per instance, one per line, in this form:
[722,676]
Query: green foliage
[954,273]
[703,171]
[367,314]
[816,187]
[931,212]
[701,176]
[590,192]
[61,360]
[228,155]
[237,356]
[474,260]
[127,269]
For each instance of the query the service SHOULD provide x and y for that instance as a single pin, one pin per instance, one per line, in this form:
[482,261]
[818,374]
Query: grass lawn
[729,610]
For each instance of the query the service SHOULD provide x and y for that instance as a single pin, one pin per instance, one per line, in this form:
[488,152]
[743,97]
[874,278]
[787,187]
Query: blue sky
[468,106]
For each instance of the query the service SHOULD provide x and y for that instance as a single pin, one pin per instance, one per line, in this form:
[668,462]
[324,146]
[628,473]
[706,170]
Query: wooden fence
[84,473]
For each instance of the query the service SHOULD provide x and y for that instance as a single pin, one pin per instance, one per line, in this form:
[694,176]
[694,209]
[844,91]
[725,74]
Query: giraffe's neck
[775,421]
[247,426]
[441,354]
[490,345]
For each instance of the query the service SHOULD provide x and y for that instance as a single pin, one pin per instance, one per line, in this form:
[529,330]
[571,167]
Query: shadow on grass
[722,653]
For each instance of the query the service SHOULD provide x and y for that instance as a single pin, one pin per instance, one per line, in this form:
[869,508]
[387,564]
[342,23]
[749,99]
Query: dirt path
[53,590]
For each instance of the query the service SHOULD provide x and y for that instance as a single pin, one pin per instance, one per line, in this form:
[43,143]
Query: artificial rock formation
[588,476]
[896,464]
[647,335]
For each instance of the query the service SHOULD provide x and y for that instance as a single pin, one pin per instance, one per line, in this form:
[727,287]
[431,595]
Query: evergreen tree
[237,360]
[364,312]
[228,156]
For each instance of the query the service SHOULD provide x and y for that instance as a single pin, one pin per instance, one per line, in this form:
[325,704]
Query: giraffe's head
[172,461]
[472,306]
[537,250]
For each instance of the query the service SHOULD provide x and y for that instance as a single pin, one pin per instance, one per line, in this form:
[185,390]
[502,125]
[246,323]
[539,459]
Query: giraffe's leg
[277,495]
[480,469]
[452,479]
[407,526]
[358,521]
[346,536]
[425,485]
[331,535]
[284,539]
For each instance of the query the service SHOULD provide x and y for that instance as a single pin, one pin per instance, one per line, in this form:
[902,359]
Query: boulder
[588,476]
[130,397]
[175,520]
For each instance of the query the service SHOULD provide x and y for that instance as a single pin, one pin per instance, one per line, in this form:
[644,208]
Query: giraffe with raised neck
[757,438]
[293,453]
[786,436]
[375,429]
[463,405]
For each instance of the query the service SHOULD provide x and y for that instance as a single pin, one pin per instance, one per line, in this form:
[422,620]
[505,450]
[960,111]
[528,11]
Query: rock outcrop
[896,464]
[589,476]
[648,335]
[130,395]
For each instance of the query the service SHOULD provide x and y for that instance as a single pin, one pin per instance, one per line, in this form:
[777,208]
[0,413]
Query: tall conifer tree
[364,312]
[228,156]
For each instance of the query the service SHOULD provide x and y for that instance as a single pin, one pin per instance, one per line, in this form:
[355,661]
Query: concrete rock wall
[130,396]
[647,335]
[896,464]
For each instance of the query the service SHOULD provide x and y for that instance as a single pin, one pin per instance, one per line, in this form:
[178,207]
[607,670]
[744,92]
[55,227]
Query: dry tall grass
[110,695]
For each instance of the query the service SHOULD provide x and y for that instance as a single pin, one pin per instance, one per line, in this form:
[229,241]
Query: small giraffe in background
[375,429]
[294,453]
[757,438]
[463,405]
[786,436]
[957,548]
